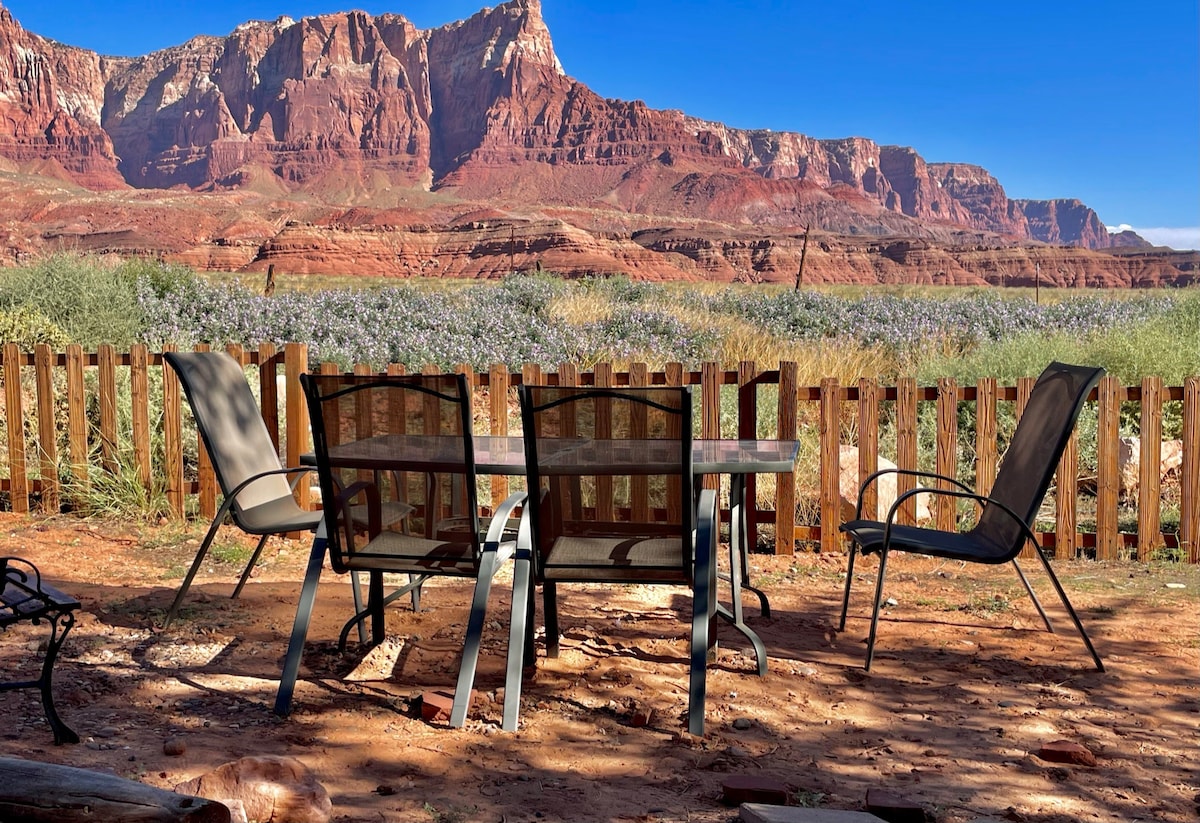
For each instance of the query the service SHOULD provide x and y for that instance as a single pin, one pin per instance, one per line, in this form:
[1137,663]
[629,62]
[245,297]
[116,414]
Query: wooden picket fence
[83,414]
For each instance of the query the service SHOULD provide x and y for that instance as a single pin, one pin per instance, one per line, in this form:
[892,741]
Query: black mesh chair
[398,441]
[1005,522]
[609,474]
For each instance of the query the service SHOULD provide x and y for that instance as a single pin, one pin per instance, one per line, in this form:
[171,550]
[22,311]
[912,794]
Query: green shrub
[27,326]
[92,301]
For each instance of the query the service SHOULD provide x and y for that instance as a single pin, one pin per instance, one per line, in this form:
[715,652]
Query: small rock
[385,791]
[642,716]
[108,731]
[1176,585]
[742,724]
[1064,751]
[891,601]
[174,747]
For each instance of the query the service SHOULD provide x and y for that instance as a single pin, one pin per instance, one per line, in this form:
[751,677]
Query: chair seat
[277,517]
[637,557]
[395,552]
[868,534]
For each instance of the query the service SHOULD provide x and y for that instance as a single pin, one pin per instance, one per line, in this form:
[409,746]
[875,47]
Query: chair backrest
[231,426]
[1033,453]
[609,462]
[405,438]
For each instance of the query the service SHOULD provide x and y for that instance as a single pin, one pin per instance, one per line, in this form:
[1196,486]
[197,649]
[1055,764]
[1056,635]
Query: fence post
[710,411]
[173,437]
[206,479]
[639,486]
[1107,471]
[906,446]
[1024,389]
[829,431]
[1189,473]
[268,390]
[747,429]
[77,429]
[785,485]
[1066,524]
[986,430]
[946,456]
[139,402]
[295,363]
[43,363]
[868,443]
[498,383]
[1150,469]
[18,481]
[106,365]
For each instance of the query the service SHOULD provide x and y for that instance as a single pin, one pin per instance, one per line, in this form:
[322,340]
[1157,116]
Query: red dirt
[965,690]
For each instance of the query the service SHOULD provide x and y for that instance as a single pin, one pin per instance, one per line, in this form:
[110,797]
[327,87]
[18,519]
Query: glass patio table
[505,456]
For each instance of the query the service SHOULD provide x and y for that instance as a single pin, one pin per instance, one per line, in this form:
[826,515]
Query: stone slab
[764,813]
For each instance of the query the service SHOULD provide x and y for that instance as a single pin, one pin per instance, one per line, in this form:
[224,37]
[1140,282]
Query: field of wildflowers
[544,320]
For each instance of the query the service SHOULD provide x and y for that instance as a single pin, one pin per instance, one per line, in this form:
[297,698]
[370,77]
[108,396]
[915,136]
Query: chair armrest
[342,504]
[874,476]
[500,518]
[299,471]
[956,493]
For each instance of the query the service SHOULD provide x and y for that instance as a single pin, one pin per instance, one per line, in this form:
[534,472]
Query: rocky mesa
[351,143]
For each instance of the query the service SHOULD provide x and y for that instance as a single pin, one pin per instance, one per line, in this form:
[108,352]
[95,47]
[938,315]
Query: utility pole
[1037,283]
[803,254]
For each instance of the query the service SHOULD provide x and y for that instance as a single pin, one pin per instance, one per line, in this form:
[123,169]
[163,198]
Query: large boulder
[271,789]
[848,485]
[1129,461]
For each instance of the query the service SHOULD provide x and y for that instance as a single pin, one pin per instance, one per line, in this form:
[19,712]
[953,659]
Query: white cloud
[1178,238]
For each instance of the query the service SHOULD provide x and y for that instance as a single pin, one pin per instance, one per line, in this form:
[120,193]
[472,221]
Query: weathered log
[32,792]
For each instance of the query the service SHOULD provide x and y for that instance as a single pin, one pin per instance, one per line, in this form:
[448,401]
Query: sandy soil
[965,690]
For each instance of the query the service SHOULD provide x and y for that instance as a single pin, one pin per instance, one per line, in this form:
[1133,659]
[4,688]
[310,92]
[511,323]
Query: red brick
[893,808]
[1064,751]
[748,788]
[436,706]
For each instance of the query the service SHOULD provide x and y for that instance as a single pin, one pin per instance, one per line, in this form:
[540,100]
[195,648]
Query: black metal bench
[24,597]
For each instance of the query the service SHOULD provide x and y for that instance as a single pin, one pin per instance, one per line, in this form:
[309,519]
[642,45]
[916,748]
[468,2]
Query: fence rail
[72,402]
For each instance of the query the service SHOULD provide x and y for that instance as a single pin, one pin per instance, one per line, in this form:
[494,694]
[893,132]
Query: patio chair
[381,439]
[254,482]
[1006,519]
[609,475]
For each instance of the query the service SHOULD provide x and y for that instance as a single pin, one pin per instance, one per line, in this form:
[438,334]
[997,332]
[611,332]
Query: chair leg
[1029,590]
[416,591]
[375,606]
[875,610]
[704,602]
[200,554]
[550,596]
[356,591]
[520,636]
[473,640]
[849,579]
[237,591]
[1062,595]
[60,625]
[308,595]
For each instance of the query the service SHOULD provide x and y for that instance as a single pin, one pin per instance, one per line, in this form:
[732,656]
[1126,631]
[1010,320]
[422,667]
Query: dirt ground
[966,688]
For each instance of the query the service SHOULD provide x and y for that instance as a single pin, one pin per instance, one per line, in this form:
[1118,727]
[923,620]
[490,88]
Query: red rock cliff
[353,109]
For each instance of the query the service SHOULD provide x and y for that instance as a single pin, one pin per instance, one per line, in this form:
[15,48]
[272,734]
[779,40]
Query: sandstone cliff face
[480,108]
[50,104]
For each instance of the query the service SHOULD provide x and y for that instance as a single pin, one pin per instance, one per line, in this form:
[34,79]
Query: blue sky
[1098,101]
